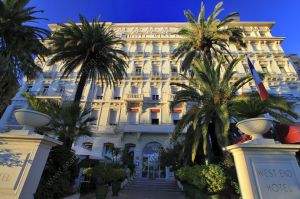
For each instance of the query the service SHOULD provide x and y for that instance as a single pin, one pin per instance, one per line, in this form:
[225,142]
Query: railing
[137,74]
[139,54]
[145,127]
[156,53]
[134,96]
[171,97]
[155,74]
[46,94]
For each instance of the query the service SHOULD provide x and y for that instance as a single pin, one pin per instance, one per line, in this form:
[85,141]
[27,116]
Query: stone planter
[31,118]
[255,127]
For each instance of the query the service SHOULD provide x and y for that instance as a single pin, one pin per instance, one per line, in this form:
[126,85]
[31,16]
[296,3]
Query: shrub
[185,174]
[116,187]
[118,174]
[101,192]
[209,178]
[214,178]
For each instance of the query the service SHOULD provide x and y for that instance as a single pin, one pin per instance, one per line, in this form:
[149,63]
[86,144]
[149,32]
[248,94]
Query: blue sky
[286,13]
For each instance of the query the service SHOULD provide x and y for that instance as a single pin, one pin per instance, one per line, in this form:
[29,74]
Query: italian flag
[259,84]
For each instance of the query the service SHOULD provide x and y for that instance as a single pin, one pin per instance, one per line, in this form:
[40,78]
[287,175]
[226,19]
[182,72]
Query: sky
[286,13]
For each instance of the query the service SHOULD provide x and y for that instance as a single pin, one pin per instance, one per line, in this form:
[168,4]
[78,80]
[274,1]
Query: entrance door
[151,164]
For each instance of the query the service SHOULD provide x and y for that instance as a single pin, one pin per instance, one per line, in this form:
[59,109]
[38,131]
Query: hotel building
[136,113]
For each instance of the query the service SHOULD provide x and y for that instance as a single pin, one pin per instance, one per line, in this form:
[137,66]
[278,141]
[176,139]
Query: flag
[259,84]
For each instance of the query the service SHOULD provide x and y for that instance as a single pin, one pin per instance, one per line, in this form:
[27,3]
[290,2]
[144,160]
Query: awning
[155,110]
[177,110]
[134,110]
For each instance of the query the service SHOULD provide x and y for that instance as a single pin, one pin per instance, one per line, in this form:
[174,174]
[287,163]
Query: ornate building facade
[136,113]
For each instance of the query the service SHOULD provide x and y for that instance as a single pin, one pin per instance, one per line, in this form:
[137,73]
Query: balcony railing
[47,94]
[156,53]
[134,97]
[145,127]
[155,75]
[139,54]
[136,74]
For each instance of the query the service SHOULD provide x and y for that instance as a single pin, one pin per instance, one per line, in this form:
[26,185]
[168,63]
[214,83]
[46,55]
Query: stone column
[22,161]
[267,170]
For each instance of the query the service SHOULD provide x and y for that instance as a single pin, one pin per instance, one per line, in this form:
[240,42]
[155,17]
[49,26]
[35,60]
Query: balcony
[139,54]
[47,94]
[156,54]
[145,128]
[272,77]
[175,75]
[290,76]
[155,75]
[136,75]
[134,97]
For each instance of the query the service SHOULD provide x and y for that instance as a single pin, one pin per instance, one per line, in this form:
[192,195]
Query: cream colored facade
[137,112]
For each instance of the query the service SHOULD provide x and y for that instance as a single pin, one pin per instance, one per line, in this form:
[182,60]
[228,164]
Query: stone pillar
[22,161]
[267,171]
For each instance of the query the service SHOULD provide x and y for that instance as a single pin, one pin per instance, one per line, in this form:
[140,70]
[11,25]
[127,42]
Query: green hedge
[208,178]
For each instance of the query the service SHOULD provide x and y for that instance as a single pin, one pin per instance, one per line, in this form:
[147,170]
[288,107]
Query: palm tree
[250,106]
[20,45]
[207,38]
[91,47]
[209,95]
[68,122]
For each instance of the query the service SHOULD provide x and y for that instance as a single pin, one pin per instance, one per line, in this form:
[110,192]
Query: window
[174,89]
[174,69]
[264,67]
[29,87]
[117,94]
[254,45]
[155,97]
[94,115]
[112,117]
[138,70]
[175,117]
[155,48]
[132,117]
[61,90]
[154,118]
[282,69]
[154,92]
[246,67]
[139,48]
[45,90]
[99,92]
[134,90]
[107,149]
[271,46]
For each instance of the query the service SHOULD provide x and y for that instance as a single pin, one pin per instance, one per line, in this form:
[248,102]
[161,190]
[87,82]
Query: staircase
[144,184]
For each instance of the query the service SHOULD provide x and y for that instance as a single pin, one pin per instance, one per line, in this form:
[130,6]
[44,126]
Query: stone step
[152,185]
[155,190]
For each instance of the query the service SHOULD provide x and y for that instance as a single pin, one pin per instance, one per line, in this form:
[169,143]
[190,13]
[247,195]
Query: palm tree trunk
[80,88]
[215,146]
